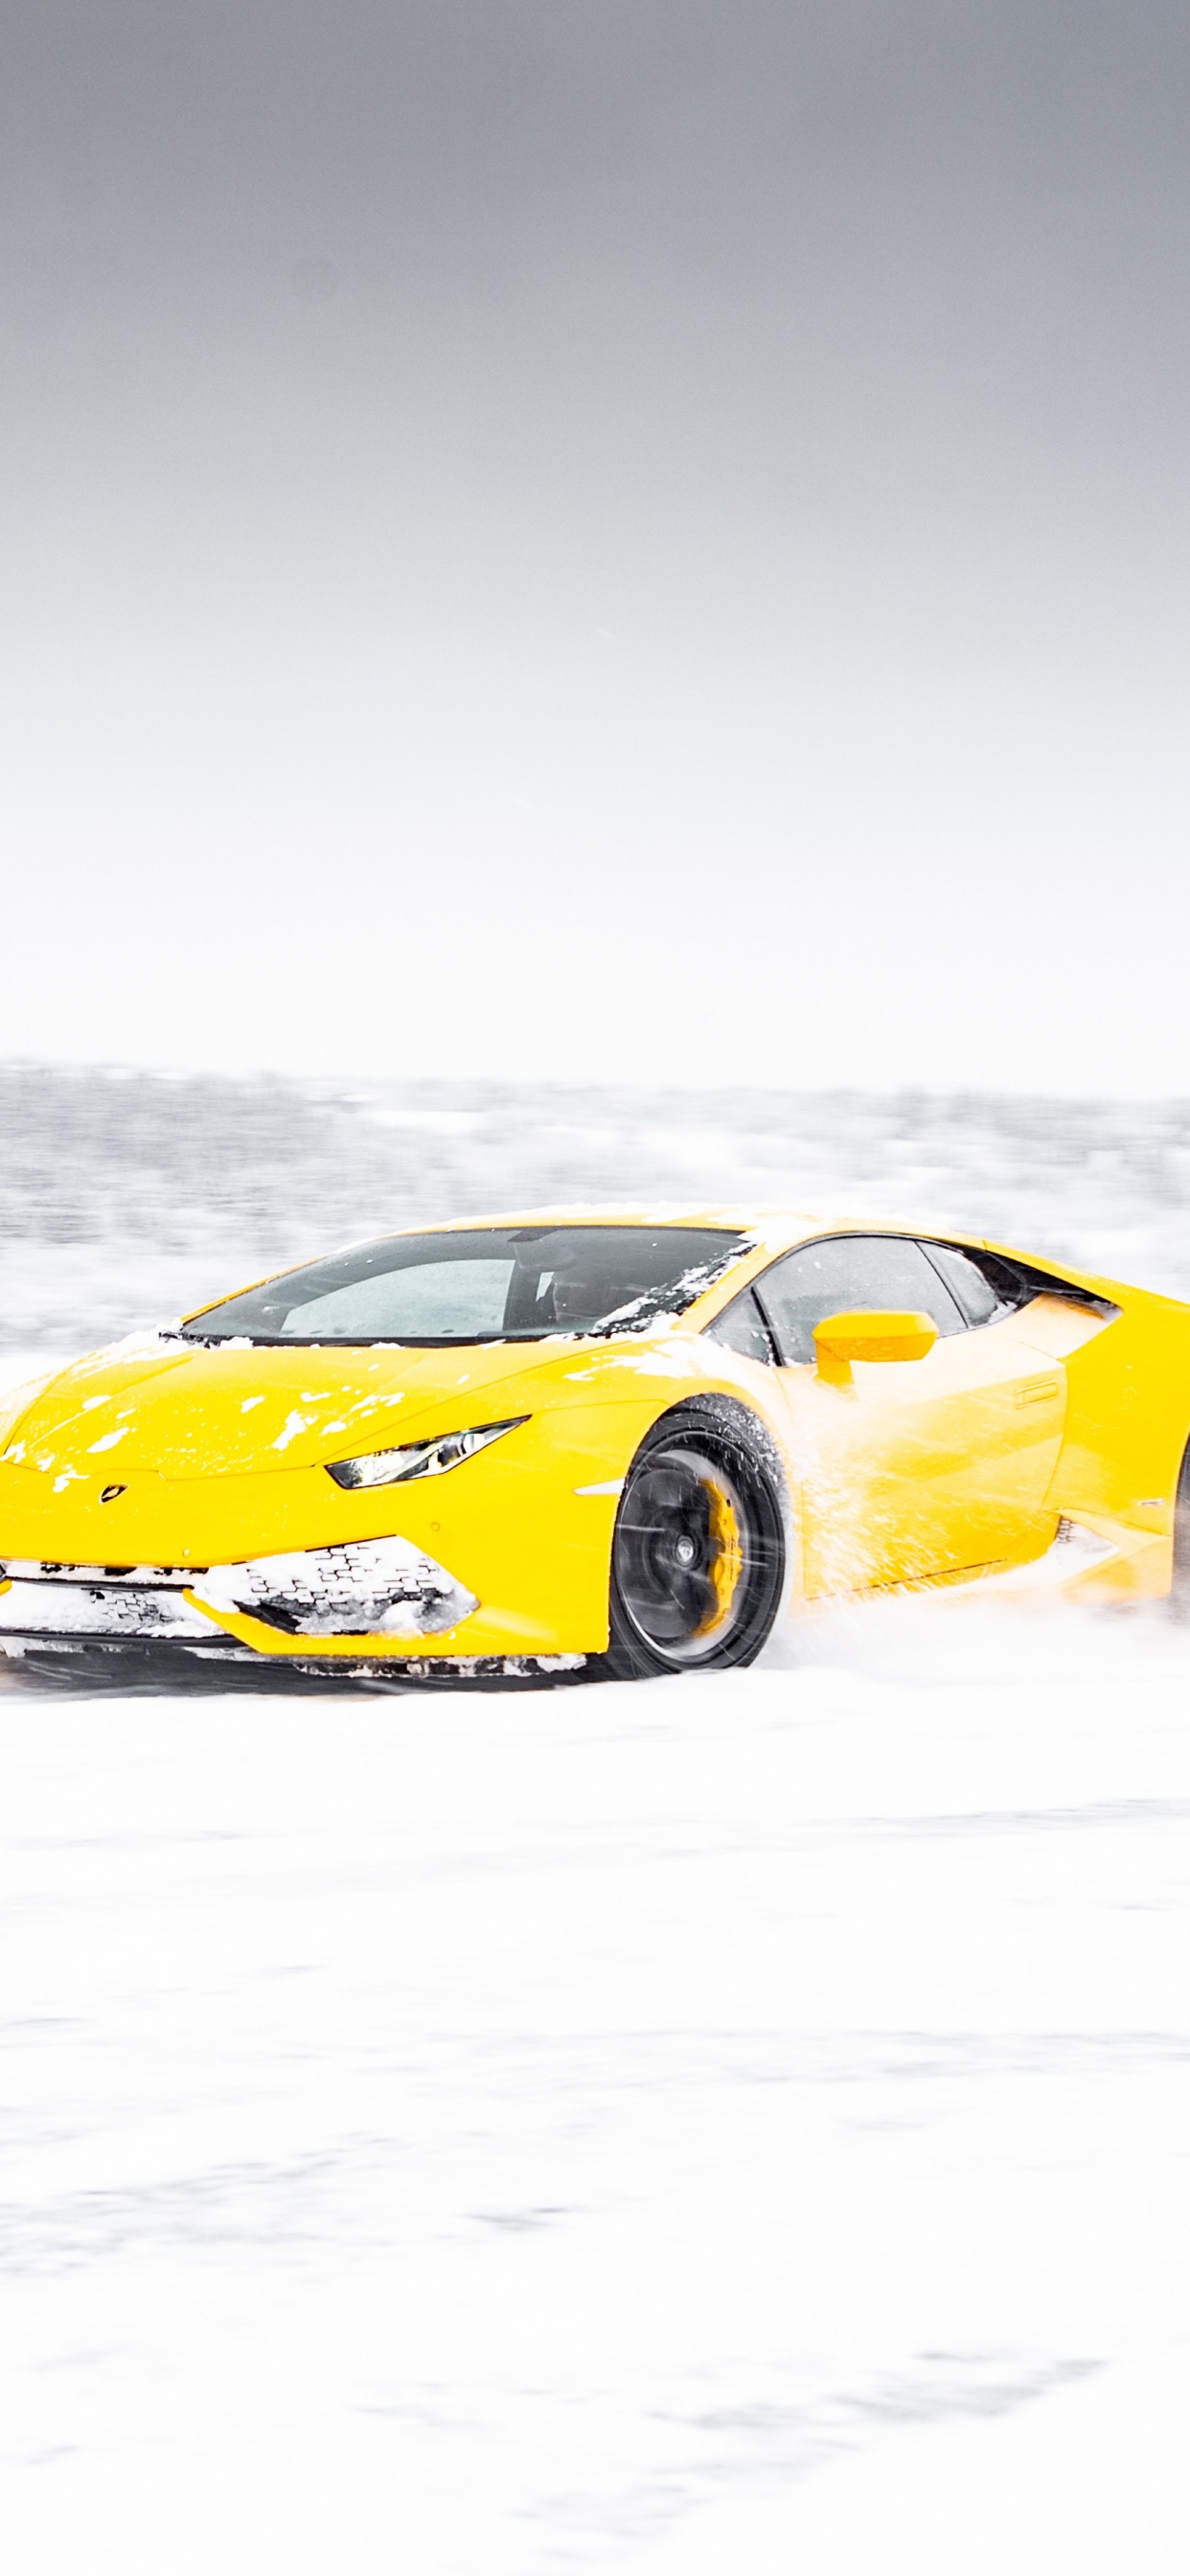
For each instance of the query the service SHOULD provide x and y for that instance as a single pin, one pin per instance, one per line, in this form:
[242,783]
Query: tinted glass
[967,1282]
[484,1283]
[845,1270]
[743,1328]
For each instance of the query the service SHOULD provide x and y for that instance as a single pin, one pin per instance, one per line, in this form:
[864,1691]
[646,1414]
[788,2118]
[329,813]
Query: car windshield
[482,1284]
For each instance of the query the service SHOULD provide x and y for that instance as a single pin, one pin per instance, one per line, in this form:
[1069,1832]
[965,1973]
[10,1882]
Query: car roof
[771,1225]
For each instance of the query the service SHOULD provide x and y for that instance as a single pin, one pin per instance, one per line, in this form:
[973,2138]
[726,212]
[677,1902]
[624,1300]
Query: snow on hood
[161,1407]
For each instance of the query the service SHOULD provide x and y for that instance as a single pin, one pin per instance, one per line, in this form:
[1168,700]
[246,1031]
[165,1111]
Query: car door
[923,1468]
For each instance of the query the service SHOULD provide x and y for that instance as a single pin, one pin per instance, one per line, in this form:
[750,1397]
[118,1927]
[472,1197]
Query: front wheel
[698,1554]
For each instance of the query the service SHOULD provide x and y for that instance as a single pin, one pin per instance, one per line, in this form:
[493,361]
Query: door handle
[1034,1390]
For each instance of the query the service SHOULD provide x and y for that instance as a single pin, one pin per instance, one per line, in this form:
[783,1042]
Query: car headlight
[421,1457]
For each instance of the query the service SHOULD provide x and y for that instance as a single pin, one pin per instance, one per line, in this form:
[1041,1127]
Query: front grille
[72,1602]
[373,1587]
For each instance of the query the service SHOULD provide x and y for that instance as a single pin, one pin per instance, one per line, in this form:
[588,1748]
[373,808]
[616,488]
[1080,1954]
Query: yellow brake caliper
[727,1559]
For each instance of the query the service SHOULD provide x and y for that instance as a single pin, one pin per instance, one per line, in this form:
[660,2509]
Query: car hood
[178,1411]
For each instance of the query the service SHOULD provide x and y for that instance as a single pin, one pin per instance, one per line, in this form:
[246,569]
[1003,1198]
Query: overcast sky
[598,537]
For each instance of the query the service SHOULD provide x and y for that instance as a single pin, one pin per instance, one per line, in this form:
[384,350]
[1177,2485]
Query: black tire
[1179,1590]
[698,1552]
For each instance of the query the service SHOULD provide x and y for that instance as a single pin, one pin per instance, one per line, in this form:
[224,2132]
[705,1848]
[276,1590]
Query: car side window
[850,1270]
[741,1327]
[977,1294]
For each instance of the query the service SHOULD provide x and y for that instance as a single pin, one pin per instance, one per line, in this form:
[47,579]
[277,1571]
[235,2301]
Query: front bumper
[344,1608]
[382,1591]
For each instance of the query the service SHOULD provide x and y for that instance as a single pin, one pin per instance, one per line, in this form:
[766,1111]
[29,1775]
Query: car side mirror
[864,1333]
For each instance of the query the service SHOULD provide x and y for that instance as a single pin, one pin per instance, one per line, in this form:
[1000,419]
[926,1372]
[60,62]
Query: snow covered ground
[739,2123]
[676,2128]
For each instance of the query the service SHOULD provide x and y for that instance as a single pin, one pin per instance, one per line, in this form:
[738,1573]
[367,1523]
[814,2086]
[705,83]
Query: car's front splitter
[142,1665]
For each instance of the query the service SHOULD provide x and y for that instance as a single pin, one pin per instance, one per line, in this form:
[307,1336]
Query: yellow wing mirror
[868,1334]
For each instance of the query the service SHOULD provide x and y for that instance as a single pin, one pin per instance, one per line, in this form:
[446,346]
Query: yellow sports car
[553,1444]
